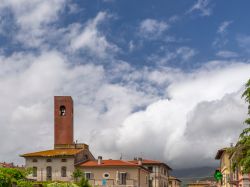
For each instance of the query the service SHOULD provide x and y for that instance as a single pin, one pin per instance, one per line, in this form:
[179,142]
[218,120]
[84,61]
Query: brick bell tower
[63,121]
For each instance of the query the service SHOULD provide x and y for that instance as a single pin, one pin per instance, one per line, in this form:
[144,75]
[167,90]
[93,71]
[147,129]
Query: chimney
[140,161]
[99,160]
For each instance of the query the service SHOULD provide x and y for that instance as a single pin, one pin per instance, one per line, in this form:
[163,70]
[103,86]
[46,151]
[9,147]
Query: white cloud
[202,6]
[181,54]
[206,100]
[151,28]
[90,38]
[227,54]
[32,18]
[223,27]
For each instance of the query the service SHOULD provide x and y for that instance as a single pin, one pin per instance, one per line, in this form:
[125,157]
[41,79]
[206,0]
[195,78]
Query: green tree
[84,182]
[77,174]
[242,149]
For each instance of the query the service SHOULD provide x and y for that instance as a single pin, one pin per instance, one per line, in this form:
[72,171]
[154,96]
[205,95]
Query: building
[6,165]
[237,178]
[115,173]
[225,167]
[59,163]
[159,176]
[202,184]
[174,182]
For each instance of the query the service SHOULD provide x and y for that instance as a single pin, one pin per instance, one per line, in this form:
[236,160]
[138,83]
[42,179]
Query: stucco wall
[132,175]
[56,165]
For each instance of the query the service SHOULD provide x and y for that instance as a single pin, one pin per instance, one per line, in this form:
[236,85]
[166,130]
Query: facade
[225,167]
[202,184]
[237,178]
[174,182]
[58,164]
[6,165]
[159,176]
[115,173]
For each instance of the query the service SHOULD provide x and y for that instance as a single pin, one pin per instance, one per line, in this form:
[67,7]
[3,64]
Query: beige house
[56,164]
[225,167]
[159,176]
[115,173]
[174,182]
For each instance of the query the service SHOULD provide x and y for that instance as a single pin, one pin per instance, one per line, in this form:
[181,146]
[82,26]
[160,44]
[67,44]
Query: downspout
[139,177]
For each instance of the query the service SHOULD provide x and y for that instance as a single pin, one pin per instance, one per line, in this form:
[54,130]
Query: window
[88,175]
[122,178]
[34,172]
[150,168]
[49,160]
[106,175]
[64,160]
[49,173]
[34,160]
[64,171]
[62,110]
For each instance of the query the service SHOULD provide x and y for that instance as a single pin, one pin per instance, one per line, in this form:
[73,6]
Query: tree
[77,174]
[242,149]
[84,182]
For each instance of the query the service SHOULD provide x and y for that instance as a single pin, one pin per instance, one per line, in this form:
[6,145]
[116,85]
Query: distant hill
[194,174]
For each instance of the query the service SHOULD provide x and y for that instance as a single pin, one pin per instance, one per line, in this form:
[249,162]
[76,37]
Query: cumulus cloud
[157,113]
[89,38]
[151,28]
[32,18]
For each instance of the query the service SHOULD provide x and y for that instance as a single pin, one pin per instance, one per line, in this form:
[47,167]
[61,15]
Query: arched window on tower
[62,110]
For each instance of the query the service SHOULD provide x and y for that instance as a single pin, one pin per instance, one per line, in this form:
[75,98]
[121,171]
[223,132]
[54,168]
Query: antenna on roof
[121,157]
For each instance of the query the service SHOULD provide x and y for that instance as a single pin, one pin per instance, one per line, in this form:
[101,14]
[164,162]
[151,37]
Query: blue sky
[189,24]
[148,78]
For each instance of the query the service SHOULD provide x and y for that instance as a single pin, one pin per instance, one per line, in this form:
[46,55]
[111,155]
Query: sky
[158,79]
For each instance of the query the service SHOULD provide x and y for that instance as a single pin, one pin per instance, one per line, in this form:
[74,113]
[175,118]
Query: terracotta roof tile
[108,163]
[150,162]
[53,153]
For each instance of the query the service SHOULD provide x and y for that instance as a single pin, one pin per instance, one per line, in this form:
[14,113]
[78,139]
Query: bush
[5,180]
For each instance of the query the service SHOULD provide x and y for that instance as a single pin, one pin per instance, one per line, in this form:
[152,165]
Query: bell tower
[63,121]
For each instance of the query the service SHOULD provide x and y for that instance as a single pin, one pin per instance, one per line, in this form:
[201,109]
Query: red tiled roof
[219,153]
[6,165]
[53,153]
[150,162]
[108,163]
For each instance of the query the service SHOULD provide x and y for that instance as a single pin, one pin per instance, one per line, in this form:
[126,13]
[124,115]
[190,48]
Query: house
[6,165]
[159,176]
[225,167]
[115,173]
[56,164]
[202,184]
[237,178]
[174,182]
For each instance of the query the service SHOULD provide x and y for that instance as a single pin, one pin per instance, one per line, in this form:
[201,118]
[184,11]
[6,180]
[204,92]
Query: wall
[56,165]
[132,175]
